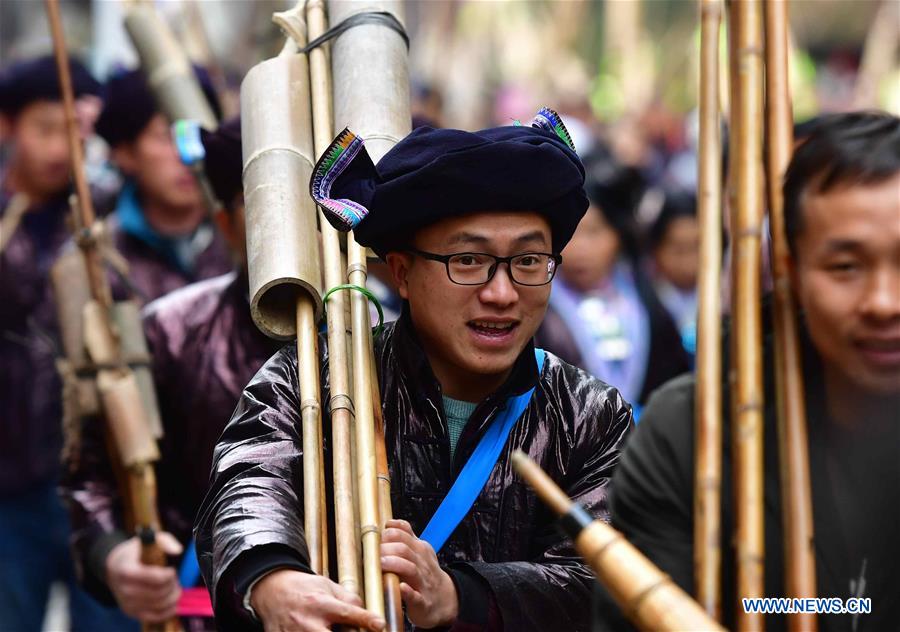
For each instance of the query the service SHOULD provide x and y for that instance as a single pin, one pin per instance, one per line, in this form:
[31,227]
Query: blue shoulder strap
[475,472]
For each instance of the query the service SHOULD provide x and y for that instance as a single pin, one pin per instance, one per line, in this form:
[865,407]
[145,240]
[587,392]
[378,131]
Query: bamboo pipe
[314,524]
[793,439]
[393,602]
[141,478]
[708,407]
[747,395]
[338,367]
[367,468]
[649,597]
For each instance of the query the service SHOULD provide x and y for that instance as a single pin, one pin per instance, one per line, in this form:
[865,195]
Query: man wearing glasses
[471,226]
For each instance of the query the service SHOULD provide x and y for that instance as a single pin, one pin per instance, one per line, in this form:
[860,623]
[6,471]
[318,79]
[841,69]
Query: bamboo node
[365,530]
[309,404]
[357,267]
[341,400]
[642,596]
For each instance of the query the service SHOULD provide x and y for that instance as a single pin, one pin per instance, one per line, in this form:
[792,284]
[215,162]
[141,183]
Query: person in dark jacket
[159,223]
[34,185]
[440,207]
[204,348]
[842,212]
[604,315]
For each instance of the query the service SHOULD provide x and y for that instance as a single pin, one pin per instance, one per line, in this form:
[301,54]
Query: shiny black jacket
[573,427]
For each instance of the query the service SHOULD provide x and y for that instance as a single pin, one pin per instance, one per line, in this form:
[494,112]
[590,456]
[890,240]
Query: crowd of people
[532,250]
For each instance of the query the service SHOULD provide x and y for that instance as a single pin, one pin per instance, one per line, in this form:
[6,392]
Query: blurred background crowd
[623,75]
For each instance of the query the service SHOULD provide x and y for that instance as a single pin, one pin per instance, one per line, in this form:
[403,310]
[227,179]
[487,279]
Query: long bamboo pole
[708,407]
[797,516]
[649,597]
[366,457]
[338,361]
[747,404]
[141,479]
[393,603]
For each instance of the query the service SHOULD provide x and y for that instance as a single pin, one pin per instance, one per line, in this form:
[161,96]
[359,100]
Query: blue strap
[475,472]
[189,573]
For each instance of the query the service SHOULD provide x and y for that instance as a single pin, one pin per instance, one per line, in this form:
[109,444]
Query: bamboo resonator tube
[282,244]
[793,438]
[647,596]
[371,97]
[708,397]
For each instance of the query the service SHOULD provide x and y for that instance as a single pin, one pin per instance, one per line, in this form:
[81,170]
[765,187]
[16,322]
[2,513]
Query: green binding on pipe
[365,292]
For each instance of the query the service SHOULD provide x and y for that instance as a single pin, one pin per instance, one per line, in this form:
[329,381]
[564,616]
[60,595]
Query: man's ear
[399,264]
[125,158]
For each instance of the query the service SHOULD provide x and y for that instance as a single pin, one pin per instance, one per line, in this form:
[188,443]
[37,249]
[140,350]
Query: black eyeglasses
[477,268]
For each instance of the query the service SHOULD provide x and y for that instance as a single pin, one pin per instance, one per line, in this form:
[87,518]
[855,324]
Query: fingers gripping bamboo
[649,597]
[797,516]
[708,408]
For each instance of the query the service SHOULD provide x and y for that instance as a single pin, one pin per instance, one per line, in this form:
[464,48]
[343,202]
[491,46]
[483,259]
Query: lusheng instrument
[287,121]
[646,595]
[747,75]
[127,419]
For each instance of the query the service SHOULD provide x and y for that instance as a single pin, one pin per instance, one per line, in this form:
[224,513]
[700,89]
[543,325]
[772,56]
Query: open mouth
[493,330]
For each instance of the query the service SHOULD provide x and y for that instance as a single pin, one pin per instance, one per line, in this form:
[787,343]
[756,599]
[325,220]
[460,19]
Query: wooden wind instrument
[746,231]
[646,595]
[282,245]
[128,421]
[371,96]
[708,396]
[341,404]
[793,439]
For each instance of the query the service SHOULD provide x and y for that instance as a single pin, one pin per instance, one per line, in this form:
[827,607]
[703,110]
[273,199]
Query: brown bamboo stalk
[647,596]
[708,407]
[338,360]
[747,396]
[141,480]
[366,458]
[793,439]
[393,602]
[310,415]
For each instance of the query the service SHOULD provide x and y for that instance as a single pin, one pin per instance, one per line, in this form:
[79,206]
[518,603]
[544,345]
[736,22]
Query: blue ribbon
[475,472]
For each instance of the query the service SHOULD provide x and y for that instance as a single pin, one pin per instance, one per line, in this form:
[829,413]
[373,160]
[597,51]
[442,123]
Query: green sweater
[458,413]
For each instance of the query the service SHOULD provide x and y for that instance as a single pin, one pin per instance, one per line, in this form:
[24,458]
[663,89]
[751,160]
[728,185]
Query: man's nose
[500,290]
[881,301]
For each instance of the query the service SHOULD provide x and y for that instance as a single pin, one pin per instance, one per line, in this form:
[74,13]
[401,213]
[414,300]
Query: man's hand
[147,593]
[292,601]
[428,591]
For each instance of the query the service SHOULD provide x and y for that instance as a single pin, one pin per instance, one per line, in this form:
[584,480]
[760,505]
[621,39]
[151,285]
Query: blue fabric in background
[34,553]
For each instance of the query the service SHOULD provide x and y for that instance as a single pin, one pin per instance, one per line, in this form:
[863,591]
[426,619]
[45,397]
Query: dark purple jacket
[30,408]
[507,545]
[205,349]
[152,274]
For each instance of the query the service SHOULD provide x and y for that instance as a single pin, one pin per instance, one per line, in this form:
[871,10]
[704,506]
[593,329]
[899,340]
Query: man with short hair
[204,348]
[160,222]
[470,225]
[842,212]
[33,212]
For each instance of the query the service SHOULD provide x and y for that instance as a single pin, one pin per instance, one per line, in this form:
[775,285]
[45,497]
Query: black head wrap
[25,82]
[223,160]
[129,105]
[435,174]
